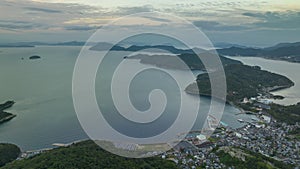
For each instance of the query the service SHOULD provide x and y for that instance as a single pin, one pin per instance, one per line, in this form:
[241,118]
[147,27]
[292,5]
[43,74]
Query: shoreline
[262,57]
[7,116]
[242,111]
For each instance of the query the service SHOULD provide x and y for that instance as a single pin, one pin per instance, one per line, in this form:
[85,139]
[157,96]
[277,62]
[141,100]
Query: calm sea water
[290,70]
[42,91]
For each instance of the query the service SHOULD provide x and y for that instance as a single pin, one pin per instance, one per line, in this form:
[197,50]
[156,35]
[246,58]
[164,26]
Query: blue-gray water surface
[42,90]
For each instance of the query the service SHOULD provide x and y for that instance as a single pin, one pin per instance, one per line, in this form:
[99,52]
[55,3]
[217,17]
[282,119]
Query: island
[5,116]
[34,57]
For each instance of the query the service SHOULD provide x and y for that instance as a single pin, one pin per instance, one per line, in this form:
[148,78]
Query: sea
[42,90]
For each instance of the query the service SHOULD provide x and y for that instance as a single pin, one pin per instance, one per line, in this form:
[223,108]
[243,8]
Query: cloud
[276,20]
[157,19]
[286,20]
[259,15]
[42,10]
[82,28]
[121,11]
[217,26]
[225,20]
[18,25]
[24,15]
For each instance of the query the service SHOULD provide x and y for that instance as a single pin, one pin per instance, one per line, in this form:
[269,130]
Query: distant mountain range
[153,48]
[33,44]
[221,45]
[283,51]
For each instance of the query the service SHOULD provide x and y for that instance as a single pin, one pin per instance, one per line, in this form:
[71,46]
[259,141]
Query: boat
[253,119]
[240,120]
[223,124]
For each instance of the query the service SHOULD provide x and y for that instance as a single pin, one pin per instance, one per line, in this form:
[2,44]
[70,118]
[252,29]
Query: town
[263,136]
[271,141]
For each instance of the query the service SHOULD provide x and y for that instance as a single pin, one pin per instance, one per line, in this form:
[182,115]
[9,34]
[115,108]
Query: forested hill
[87,155]
[283,51]
[191,61]
[8,153]
[242,81]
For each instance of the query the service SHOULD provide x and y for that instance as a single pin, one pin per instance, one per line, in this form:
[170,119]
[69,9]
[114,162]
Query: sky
[245,22]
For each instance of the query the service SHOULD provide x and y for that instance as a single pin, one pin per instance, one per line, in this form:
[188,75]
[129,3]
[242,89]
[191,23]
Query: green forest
[8,153]
[87,155]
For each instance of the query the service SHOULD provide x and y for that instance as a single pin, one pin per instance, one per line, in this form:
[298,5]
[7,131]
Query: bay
[42,90]
[288,69]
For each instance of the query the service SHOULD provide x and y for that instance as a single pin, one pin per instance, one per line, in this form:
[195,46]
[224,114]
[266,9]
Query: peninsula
[282,51]
[5,116]
[243,81]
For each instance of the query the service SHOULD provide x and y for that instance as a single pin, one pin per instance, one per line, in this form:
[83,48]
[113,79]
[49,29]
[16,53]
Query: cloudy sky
[246,22]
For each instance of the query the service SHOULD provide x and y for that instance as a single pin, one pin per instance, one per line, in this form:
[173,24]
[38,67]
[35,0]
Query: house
[267,119]
[262,105]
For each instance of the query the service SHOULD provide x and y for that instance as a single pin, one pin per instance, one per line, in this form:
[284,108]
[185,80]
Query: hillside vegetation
[87,155]
[8,153]
[242,81]
[5,116]
[242,158]
[283,51]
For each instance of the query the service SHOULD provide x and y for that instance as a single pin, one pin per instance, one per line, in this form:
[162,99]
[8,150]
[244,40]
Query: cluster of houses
[271,140]
[260,102]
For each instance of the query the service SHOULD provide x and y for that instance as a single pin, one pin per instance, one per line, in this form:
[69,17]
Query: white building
[267,119]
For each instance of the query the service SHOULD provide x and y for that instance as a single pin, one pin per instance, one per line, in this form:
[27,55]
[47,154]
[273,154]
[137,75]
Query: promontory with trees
[87,155]
[5,116]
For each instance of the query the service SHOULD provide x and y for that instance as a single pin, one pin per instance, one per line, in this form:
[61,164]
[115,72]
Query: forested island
[5,116]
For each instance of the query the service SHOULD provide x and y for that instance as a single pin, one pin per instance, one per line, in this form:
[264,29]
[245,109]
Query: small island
[34,57]
[5,116]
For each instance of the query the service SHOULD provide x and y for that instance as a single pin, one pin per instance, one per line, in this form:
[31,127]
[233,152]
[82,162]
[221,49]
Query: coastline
[5,116]
[288,69]
[231,103]
[263,57]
